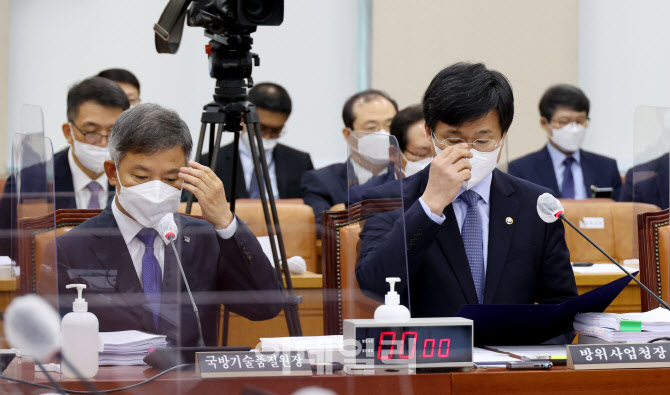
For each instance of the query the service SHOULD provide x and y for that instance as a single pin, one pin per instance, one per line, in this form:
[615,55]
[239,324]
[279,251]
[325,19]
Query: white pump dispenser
[80,338]
[392,310]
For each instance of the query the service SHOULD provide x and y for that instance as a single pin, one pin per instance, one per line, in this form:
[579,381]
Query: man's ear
[346,132]
[110,170]
[67,133]
[429,135]
[544,123]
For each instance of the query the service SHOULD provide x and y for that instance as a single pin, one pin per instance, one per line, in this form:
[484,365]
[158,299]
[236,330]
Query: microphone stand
[658,299]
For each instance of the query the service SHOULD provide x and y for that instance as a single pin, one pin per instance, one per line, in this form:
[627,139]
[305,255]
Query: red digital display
[421,345]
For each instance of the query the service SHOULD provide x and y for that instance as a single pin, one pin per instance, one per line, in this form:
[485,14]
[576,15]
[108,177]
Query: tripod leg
[236,161]
[198,155]
[258,155]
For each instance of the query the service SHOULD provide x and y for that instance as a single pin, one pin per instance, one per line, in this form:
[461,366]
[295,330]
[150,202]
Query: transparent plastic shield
[372,241]
[29,206]
[32,120]
[647,180]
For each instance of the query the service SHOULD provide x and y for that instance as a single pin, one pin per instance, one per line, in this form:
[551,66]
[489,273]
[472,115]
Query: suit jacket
[326,187]
[290,165]
[648,183]
[235,272]
[598,170]
[528,260]
[34,182]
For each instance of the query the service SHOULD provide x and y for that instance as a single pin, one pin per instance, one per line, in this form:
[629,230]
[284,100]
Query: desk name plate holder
[252,364]
[618,356]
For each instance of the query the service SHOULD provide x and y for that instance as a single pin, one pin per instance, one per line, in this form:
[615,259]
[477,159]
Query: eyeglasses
[93,137]
[560,123]
[481,145]
[270,132]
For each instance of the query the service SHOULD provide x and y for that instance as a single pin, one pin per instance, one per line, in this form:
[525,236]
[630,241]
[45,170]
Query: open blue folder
[527,324]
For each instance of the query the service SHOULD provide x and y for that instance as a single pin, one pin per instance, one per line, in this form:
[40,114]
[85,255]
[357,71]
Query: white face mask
[482,164]
[413,167]
[268,144]
[570,137]
[149,202]
[90,156]
[373,148]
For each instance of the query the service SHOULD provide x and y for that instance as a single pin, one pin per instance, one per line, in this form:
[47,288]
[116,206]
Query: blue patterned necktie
[151,273]
[472,240]
[254,191]
[94,200]
[568,186]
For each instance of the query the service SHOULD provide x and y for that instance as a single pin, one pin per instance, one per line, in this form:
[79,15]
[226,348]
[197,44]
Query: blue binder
[524,324]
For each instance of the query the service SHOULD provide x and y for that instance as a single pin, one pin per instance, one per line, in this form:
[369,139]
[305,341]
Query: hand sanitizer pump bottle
[392,310]
[80,338]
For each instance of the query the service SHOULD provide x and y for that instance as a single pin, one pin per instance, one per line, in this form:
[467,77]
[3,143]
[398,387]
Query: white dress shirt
[483,189]
[80,182]
[557,158]
[248,167]
[129,229]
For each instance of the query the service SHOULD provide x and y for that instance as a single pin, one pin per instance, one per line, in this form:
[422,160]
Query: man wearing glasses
[79,175]
[472,233]
[562,165]
[286,165]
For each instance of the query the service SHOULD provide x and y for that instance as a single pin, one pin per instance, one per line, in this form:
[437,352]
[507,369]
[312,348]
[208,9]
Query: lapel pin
[509,221]
[187,239]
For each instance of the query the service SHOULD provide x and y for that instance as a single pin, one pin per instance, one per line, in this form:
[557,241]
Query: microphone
[168,230]
[550,210]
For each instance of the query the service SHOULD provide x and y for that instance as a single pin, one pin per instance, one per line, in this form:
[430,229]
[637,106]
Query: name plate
[252,364]
[618,356]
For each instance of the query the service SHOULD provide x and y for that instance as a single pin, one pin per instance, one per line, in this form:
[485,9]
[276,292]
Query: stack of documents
[128,347]
[629,327]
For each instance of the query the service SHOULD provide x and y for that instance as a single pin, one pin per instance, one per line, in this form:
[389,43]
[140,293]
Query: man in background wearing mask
[371,112]
[408,127]
[132,276]
[286,165]
[79,175]
[561,165]
[472,232]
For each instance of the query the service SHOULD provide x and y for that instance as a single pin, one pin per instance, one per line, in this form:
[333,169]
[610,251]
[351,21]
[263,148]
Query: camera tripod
[229,109]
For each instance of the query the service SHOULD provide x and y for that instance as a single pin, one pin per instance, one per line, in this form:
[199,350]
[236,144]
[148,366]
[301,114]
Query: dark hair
[405,118]
[96,89]
[148,128]
[120,75]
[271,97]
[364,96]
[464,92]
[563,95]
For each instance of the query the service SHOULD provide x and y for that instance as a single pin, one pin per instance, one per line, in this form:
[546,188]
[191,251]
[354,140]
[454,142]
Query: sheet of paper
[484,357]
[532,352]
[604,268]
[302,343]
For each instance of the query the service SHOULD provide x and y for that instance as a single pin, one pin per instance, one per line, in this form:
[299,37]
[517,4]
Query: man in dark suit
[133,279]
[648,183]
[561,165]
[369,111]
[286,164]
[79,177]
[472,233]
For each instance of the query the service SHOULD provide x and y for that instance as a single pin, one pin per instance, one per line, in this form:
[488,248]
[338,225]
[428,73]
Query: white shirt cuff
[227,233]
[437,219]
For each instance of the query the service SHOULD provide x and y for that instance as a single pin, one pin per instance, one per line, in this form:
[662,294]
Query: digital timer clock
[415,343]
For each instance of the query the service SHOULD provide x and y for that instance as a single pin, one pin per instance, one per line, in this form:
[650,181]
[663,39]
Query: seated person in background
[127,81]
[286,165]
[144,290]
[370,111]
[561,165]
[79,174]
[415,145]
[648,183]
[510,256]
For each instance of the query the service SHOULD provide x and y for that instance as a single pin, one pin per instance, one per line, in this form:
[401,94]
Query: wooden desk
[628,300]
[8,289]
[482,381]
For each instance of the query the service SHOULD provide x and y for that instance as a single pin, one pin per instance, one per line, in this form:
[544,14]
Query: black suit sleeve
[7,217]
[626,194]
[244,267]
[514,169]
[557,277]
[383,249]
[616,181]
